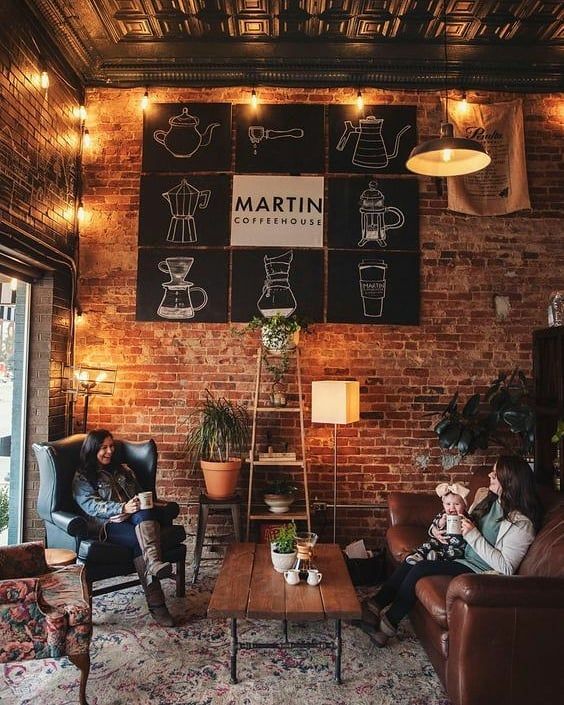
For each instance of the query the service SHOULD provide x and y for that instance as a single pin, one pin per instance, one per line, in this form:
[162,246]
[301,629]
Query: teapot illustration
[375,217]
[183,139]
[370,150]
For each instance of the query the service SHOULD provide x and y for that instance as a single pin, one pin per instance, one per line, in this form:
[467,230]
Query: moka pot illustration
[183,138]
[183,200]
[277,296]
[375,218]
[370,150]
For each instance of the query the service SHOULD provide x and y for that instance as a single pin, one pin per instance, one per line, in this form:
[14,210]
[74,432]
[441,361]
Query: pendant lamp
[447,155]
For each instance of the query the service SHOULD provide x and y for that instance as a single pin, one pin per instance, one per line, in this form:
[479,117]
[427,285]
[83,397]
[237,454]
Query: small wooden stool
[57,557]
[206,504]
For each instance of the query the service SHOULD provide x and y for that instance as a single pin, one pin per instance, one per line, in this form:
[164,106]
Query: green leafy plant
[285,538]
[282,486]
[4,508]
[218,430]
[474,427]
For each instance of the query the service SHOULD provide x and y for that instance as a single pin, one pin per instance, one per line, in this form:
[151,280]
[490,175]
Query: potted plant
[474,427]
[218,434]
[279,495]
[283,548]
[278,333]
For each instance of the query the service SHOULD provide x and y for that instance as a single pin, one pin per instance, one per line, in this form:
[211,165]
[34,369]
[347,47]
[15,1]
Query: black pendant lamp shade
[448,155]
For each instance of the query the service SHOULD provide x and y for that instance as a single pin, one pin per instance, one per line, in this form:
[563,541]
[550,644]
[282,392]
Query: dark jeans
[123,532]
[399,588]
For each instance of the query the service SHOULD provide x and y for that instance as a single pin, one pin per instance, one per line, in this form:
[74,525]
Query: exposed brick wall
[405,372]
[39,141]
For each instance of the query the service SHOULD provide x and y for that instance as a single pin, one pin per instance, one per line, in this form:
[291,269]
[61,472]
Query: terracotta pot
[221,478]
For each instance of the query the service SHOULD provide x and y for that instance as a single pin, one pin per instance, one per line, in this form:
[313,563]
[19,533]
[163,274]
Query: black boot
[153,594]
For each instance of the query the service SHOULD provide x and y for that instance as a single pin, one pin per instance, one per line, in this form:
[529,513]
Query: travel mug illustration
[372,280]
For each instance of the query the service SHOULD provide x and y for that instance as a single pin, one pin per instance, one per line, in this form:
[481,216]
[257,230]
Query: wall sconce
[90,381]
[145,100]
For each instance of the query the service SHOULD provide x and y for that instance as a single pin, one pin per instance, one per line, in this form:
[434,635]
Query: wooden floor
[248,586]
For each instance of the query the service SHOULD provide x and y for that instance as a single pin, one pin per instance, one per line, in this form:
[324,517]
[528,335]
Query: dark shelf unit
[548,368]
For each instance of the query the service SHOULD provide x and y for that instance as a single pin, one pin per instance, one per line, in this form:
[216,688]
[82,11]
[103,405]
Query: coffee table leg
[338,647]
[285,622]
[234,646]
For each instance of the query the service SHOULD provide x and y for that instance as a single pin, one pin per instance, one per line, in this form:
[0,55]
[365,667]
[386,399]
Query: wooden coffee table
[248,587]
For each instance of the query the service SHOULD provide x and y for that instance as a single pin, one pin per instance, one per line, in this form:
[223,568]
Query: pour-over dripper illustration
[183,138]
[375,218]
[372,281]
[277,297]
[183,200]
[370,150]
[258,133]
[176,303]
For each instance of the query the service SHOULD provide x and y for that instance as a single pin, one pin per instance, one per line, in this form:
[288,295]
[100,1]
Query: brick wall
[39,142]
[405,372]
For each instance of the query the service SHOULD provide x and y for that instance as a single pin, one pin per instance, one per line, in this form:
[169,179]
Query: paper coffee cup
[454,524]
[145,500]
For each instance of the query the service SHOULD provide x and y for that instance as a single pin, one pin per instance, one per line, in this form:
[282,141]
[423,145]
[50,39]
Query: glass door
[14,346]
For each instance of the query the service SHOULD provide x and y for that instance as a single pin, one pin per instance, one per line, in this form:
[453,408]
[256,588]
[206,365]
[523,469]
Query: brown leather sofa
[493,639]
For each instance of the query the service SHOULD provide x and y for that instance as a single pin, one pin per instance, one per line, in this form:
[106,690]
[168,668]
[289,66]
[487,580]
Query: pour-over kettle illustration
[177,303]
[375,217]
[370,150]
[183,138]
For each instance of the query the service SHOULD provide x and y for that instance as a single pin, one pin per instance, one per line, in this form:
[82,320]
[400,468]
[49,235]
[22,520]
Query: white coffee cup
[314,576]
[145,500]
[454,524]
[292,577]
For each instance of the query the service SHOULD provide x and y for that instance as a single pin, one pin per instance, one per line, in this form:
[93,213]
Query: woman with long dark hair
[502,524]
[106,492]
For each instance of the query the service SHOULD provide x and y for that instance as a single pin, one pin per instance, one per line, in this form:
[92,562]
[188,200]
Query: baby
[454,503]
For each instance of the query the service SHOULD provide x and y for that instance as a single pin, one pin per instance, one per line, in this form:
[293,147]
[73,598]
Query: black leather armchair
[65,527]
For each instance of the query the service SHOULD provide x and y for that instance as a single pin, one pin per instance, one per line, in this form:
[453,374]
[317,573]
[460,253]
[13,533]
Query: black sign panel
[279,139]
[377,139]
[371,214]
[377,288]
[281,280]
[187,137]
[184,210]
[183,286]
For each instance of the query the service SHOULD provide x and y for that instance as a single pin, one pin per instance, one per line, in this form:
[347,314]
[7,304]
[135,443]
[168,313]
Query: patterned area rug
[136,662]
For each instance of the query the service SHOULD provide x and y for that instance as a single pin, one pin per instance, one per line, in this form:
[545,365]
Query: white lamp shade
[336,402]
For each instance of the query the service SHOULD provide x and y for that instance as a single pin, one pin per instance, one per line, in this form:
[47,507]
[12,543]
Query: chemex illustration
[176,303]
[183,138]
[370,150]
[372,280]
[183,200]
[258,133]
[375,218]
[277,297]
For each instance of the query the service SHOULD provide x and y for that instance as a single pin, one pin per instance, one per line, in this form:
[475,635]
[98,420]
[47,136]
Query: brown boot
[149,537]
[154,595]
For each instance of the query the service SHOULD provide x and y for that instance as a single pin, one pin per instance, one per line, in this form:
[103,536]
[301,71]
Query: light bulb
[44,80]
[254,99]
[145,100]
[446,155]
[80,212]
[101,377]
[13,284]
[359,100]
[86,139]
[463,105]
[82,112]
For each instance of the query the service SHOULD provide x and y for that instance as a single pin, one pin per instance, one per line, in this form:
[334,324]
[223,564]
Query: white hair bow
[456,488]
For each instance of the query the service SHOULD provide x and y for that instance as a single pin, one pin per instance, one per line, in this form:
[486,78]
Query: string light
[254,99]
[80,211]
[13,284]
[359,100]
[86,140]
[44,80]
[463,104]
[82,114]
[145,100]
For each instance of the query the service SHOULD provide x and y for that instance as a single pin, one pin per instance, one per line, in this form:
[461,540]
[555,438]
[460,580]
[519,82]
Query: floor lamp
[93,381]
[335,402]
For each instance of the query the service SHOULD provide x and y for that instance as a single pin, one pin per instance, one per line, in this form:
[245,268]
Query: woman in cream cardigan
[503,520]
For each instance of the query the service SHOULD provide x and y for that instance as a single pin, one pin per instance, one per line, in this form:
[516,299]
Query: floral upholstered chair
[44,613]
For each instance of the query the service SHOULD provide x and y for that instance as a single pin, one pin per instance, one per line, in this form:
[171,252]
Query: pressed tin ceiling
[513,45]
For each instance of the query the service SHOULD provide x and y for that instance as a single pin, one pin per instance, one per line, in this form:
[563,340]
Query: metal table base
[336,644]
